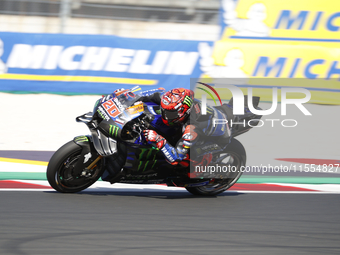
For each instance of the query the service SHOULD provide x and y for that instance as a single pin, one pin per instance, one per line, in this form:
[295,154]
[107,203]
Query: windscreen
[128,97]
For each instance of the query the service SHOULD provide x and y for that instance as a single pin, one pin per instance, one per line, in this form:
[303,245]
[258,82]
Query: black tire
[237,156]
[60,170]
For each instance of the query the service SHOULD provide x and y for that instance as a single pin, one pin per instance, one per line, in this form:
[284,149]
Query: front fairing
[119,115]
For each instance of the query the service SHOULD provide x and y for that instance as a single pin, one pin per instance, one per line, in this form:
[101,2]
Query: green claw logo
[80,139]
[187,101]
[113,131]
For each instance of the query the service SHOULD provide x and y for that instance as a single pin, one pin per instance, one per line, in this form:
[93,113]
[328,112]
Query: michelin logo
[50,57]
[3,68]
[233,60]
[253,25]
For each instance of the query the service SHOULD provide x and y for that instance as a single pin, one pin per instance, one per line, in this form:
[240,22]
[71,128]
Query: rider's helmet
[176,105]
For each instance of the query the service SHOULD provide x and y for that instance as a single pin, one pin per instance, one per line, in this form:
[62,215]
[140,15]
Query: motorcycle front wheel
[60,170]
[235,156]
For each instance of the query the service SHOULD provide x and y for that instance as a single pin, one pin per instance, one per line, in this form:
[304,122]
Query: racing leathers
[197,125]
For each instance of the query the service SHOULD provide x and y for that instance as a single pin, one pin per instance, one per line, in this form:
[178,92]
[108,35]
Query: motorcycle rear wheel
[60,170]
[235,155]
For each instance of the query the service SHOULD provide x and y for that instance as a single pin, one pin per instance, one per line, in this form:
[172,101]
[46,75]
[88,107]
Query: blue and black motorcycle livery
[117,152]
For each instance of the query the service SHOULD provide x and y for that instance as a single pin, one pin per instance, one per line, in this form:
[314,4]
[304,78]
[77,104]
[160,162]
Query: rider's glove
[154,139]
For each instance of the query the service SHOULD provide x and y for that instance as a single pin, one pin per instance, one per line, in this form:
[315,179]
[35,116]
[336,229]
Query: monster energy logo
[113,131]
[147,158]
[80,139]
[150,155]
[144,164]
[188,101]
[143,150]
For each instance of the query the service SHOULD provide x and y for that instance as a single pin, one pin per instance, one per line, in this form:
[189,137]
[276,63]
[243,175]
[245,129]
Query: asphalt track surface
[165,222]
[168,223]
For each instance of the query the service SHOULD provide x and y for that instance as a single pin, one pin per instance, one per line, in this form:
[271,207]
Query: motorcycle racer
[179,109]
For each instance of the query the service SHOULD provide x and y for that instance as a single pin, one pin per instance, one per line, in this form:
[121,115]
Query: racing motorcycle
[116,150]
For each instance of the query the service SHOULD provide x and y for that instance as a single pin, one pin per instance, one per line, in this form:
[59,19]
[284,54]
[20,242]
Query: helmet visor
[170,114]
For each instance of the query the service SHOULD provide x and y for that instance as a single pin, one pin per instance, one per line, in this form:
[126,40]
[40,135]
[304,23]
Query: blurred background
[92,47]
[68,46]
[163,19]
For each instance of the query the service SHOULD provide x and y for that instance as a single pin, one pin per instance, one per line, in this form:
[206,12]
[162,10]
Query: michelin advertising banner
[278,39]
[94,64]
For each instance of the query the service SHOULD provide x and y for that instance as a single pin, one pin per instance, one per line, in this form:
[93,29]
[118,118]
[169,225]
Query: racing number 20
[111,108]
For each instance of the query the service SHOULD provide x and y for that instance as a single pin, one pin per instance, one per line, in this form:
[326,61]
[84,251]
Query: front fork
[87,171]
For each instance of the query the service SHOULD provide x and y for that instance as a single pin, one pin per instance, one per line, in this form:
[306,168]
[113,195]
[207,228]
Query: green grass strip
[22,176]
[243,179]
